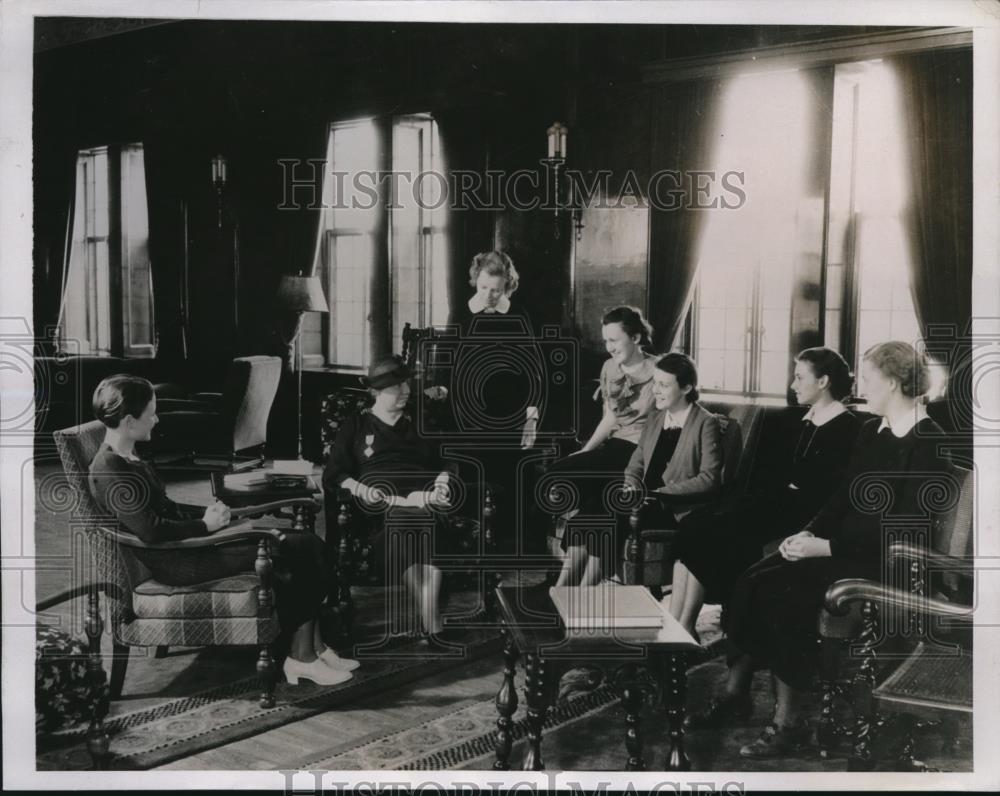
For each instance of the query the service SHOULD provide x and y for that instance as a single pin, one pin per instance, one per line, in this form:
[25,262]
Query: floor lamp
[300,294]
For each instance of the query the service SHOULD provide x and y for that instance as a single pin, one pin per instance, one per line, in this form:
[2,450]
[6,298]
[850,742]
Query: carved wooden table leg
[300,520]
[631,696]
[537,692]
[506,702]
[674,689]
[97,736]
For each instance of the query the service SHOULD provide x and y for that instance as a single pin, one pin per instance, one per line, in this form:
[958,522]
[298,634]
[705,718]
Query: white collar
[476,304]
[678,420]
[826,414]
[906,423]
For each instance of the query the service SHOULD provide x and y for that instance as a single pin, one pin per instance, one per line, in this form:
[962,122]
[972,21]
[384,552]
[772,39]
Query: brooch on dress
[369,439]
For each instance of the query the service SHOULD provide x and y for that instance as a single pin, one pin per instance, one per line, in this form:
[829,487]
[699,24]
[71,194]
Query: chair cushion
[233,596]
[63,695]
[228,631]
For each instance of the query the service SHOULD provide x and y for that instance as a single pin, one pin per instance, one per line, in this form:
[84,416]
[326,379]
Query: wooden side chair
[911,644]
[231,611]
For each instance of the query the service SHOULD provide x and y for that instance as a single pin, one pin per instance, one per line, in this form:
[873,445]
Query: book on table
[606,606]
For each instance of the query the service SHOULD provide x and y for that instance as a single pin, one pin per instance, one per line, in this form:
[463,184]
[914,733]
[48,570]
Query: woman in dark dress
[380,458]
[775,603]
[128,488]
[715,545]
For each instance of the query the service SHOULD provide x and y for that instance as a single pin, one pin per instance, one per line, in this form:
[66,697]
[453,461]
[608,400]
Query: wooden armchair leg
[161,651]
[267,673]
[97,736]
[119,665]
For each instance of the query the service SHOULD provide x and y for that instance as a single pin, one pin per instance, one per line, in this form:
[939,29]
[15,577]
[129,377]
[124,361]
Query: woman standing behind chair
[626,391]
[128,488]
[773,612]
[678,456]
[715,546]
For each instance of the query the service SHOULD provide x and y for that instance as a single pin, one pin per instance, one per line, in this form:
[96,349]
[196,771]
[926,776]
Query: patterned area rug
[180,727]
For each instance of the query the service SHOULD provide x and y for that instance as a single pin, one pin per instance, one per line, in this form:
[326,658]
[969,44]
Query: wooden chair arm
[264,508]
[235,532]
[932,558]
[841,594]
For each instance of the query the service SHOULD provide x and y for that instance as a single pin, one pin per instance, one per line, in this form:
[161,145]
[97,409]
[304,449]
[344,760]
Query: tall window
[107,297]
[743,297]
[743,308]
[351,240]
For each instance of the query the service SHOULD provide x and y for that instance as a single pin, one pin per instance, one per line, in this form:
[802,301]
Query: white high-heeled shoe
[334,661]
[317,671]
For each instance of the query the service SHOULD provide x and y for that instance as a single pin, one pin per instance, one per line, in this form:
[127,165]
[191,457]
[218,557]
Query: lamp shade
[302,294]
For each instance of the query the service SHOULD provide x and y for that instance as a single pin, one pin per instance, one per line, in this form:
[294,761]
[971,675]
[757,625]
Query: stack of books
[606,607]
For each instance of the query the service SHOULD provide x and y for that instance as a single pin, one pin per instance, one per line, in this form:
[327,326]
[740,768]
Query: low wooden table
[239,490]
[532,627]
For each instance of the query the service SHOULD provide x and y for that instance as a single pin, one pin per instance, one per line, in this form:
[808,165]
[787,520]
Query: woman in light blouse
[626,390]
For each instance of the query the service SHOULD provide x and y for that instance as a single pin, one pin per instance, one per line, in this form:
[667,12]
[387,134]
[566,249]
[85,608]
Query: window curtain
[684,115]
[937,106]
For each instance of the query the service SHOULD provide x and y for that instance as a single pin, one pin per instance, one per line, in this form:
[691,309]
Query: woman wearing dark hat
[399,479]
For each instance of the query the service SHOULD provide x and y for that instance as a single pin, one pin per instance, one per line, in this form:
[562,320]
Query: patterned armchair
[230,611]
[346,536]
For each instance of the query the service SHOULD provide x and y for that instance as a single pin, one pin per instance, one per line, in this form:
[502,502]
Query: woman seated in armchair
[128,488]
[678,455]
[772,620]
[626,392]
[717,544]
[380,458]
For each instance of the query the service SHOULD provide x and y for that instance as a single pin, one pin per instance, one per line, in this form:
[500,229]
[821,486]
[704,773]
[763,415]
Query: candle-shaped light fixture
[557,141]
[219,181]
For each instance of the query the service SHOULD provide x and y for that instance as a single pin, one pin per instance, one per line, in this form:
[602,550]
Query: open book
[606,607]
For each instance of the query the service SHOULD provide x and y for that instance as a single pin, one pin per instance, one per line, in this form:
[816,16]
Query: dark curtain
[54,186]
[682,121]
[937,107]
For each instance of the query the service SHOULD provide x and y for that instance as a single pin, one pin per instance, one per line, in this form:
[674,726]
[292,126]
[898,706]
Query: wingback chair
[646,559]
[912,639]
[220,424]
[229,611]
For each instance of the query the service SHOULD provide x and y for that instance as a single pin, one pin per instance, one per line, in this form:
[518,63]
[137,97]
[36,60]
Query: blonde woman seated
[127,407]
[380,458]
[678,454]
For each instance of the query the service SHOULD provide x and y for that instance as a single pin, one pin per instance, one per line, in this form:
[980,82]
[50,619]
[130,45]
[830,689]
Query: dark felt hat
[386,372]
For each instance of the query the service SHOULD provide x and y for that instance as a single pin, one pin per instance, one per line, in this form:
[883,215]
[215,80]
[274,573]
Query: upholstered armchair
[903,648]
[142,612]
[228,426]
[346,534]
[646,559]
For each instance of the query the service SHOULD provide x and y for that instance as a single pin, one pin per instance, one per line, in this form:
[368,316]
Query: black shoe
[720,712]
[443,644]
[777,741]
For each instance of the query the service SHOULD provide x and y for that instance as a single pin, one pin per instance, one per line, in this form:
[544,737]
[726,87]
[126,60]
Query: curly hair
[119,396]
[684,370]
[495,263]
[632,322]
[827,362]
[902,363]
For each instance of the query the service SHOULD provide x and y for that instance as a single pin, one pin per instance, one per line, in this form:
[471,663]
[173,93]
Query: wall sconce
[219,180]
[557,135]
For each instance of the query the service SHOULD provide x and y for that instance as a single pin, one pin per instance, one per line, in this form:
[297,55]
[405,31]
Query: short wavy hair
[684,370]
[904,364]
[495,263]
[827,362]
[119,396]
[632,322]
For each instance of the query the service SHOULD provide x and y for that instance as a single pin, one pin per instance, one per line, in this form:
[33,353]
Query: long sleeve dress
[719,542]
[775,604]
[130,491]
[397,460]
